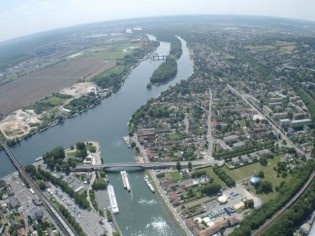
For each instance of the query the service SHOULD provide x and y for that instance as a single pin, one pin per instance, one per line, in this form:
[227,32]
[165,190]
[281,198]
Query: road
[273,124]
[208,156]
[58,218]
[283,210]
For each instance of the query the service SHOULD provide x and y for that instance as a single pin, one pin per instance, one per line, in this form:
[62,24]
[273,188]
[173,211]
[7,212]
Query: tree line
[267,210]
[223,176]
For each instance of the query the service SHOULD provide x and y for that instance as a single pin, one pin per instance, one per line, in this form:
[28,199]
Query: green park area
[243,174]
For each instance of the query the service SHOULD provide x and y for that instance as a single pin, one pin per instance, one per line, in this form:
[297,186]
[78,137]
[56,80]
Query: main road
[273,124]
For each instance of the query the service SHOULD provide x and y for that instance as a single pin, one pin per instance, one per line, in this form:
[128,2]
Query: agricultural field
[42,83]
[113,51]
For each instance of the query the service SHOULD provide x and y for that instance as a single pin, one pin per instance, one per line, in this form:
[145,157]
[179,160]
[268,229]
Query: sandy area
[79,89]
[18,123]
[97,155]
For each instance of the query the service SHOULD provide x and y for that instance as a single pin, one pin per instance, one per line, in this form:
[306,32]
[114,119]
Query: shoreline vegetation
[167,71]
[110,81]
[55,161]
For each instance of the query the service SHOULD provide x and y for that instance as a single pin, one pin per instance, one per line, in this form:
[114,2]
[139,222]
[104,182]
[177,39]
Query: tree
[263,161]
[189,166]
[58,153]
[42,185]
[264,186]
[249,203]
[211,189]
[261,174]
[80,145]
[178,166]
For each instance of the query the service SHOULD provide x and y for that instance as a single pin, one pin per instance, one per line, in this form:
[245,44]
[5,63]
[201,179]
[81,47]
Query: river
[141,212]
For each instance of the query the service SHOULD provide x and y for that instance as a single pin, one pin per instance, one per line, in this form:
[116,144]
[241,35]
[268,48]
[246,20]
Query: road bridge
[60,221]
[149,165]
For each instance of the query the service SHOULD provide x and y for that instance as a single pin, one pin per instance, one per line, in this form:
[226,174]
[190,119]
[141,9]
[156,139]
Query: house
[299,123]
[22,232]
[13,202]
[264,153]
[254,156]
[230,139]
[284,122]
[37,215]
[244,159]
[280,115]
[239,145]
[235,161]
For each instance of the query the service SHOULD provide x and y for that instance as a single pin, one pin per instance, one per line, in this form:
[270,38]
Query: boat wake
[147,202]
[158,227]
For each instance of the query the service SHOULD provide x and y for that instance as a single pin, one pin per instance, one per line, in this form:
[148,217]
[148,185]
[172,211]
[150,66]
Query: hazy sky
[21,17]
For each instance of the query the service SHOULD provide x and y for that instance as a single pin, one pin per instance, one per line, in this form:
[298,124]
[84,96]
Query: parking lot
[90,221]
[234,195]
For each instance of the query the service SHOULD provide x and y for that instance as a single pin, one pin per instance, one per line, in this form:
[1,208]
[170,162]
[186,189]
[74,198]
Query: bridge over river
[150,165]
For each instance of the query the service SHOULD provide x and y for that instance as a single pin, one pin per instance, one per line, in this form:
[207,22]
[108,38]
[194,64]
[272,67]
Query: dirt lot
[39,84]
[79,89]
[18,123]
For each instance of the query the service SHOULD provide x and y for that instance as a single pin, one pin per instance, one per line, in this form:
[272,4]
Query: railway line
[283,210]
[60,221]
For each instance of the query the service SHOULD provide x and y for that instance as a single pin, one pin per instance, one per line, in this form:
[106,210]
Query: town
[233,144]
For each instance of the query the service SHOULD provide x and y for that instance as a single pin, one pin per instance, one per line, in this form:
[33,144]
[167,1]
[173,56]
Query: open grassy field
[243,174]
[114,70]
[112,52]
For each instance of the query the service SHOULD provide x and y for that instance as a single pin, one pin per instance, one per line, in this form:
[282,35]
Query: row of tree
[301,210]
[223,176]
[266,211]
[71,220]
[42,175]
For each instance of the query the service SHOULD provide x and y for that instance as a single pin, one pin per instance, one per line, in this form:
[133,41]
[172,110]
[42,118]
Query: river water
[141,212]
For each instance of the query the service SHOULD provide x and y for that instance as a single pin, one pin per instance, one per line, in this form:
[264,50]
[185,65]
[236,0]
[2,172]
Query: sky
[22,17]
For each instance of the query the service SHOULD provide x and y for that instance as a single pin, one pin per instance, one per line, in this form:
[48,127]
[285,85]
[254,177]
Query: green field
[56,101]
[243,174]
[113,70]
[211,174]
[114,51]
[175,176]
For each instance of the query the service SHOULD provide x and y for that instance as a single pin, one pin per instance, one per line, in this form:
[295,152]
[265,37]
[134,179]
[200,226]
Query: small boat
[39,159]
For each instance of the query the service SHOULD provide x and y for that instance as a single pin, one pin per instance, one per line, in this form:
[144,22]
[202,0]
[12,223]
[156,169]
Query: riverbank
[171,211]
[29,123]
[107,124]
[160,192]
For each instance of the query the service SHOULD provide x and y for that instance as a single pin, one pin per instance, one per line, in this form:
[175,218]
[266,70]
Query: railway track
[282,211]
[60,221]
